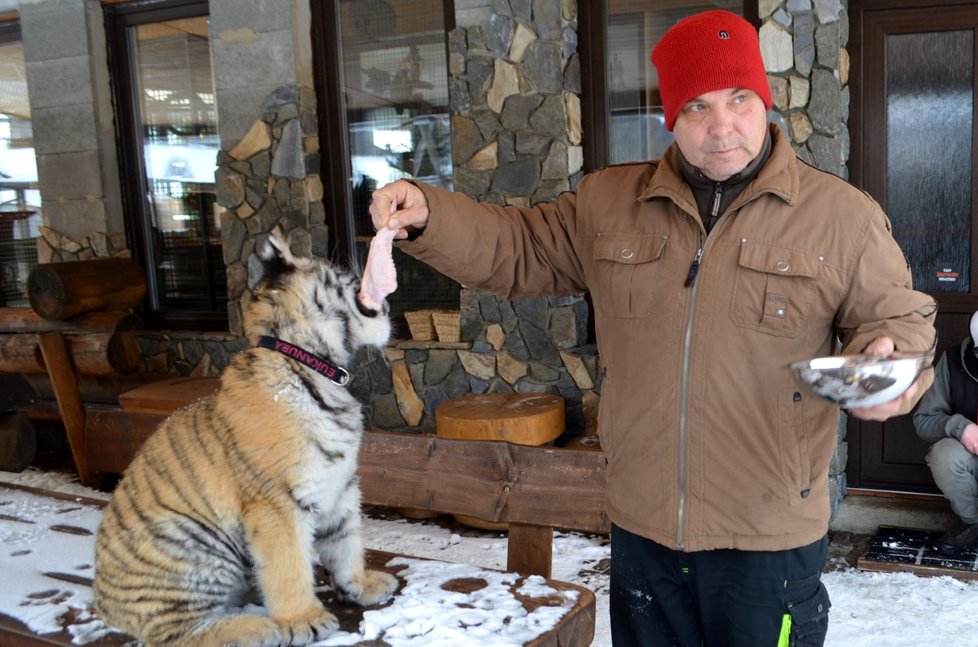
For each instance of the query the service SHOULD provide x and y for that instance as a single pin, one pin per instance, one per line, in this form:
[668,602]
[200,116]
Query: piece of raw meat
[379,275]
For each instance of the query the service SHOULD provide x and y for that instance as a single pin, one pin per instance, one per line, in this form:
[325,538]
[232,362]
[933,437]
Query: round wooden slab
[522,418]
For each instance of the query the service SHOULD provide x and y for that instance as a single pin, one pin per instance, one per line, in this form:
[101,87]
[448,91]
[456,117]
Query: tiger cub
[245,489]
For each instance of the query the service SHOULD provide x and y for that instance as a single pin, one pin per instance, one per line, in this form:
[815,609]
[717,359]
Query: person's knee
[948,455]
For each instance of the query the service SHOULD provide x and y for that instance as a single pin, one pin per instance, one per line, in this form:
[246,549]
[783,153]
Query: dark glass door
[913,149]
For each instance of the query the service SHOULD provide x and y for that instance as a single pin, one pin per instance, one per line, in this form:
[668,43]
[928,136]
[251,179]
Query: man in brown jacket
[710,271]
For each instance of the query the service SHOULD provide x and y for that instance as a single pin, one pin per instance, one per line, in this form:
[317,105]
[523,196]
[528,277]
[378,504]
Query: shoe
[957,539]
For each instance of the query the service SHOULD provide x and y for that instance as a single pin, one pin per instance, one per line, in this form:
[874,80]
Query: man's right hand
[399,205]
[969,438]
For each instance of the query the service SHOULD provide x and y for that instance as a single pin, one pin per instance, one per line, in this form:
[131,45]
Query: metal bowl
[854,381]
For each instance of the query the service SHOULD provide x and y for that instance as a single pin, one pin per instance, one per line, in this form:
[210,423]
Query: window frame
[328,75]
[119,18]
[592,26]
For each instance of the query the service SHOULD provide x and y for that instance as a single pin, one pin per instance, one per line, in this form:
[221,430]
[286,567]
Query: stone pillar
[514,91]
[71,110]
[254,52]
[271,176]
[803,43]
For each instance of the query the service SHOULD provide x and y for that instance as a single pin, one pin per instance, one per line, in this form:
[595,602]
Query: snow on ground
[868,609]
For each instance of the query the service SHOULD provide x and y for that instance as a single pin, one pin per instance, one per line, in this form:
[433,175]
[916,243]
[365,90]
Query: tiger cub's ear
[273,263]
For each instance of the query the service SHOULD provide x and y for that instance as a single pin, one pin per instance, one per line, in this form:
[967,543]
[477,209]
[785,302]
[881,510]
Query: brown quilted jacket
[710,440]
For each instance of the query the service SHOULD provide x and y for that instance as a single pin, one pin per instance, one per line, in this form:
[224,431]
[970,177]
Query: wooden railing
[532,489]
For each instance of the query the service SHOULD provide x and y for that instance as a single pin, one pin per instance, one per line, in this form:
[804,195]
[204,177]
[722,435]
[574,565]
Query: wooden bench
[572,606]
[532,489]
[80,328]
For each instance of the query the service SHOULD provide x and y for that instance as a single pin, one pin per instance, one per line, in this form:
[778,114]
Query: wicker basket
[447,325]
[419,322]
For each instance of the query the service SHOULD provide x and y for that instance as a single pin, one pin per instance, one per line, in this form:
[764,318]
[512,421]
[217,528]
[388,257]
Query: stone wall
[269,177]
[521,346]
[803,43]
[514,91]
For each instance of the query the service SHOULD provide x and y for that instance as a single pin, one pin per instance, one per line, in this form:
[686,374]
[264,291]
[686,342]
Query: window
[20,210]
[167,127]
[621,102]
[382,76]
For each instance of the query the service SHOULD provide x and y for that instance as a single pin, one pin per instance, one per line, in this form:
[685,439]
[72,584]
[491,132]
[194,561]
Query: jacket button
[804,494]
[627,253]
[796,397]
[782,266]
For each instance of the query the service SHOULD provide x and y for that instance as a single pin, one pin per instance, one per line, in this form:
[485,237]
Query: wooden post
[63,290]
[530,549]
[65,385]
[18,443]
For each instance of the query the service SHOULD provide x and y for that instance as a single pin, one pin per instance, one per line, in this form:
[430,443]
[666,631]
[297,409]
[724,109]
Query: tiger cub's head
[309,303]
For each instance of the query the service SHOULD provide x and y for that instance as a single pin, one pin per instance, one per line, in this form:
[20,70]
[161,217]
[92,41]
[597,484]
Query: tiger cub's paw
[310,627]
[370,587]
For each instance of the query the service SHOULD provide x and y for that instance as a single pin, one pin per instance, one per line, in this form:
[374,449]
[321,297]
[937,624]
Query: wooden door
[912,125]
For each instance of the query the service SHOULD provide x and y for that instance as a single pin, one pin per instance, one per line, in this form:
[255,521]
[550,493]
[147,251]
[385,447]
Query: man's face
[720,132]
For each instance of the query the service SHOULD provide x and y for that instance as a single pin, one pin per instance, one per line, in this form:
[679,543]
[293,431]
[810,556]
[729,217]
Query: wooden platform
[910,550]
[44,533]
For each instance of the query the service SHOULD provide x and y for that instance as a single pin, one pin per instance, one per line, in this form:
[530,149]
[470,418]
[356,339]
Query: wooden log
[20,320]
[63,290]
[18,442]
[103,353]
[90,353]
[20,354]
[524,418]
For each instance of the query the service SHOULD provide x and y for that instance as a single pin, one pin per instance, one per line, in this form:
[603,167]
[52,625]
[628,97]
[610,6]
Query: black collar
[324,367]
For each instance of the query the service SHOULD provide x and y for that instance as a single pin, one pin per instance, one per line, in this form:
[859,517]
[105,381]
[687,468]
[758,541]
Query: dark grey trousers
[716,598]
[955,471]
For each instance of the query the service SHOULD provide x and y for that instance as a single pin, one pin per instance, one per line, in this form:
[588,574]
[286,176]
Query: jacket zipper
[684,373]
[684,394]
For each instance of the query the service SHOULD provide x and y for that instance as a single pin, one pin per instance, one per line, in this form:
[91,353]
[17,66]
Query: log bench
[532,489]
[78,332]
[63,583]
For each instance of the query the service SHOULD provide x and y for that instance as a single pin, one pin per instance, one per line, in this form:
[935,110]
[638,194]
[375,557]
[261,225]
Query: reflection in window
[20,210]
[636,121]
[929,161]
[395,88]
[178,123]
[166,118]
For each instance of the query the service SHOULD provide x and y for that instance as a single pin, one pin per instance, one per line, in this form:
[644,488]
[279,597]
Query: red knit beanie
[709,51]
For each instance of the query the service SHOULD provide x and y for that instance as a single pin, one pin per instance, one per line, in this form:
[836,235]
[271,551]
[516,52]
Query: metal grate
[18,256]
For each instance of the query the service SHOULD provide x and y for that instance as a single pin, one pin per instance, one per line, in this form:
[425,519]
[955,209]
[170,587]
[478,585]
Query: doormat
[912,550]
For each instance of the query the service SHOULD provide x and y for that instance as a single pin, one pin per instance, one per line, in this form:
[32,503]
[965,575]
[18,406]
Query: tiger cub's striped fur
[245,489]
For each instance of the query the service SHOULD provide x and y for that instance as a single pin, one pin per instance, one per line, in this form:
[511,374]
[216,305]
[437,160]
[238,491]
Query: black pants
[716,598]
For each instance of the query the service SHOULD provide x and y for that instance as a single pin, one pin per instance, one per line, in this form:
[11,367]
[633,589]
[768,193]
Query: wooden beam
[58,363]
[491,480]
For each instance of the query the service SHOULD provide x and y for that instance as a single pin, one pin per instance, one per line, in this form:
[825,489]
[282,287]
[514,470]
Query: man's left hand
[884,347]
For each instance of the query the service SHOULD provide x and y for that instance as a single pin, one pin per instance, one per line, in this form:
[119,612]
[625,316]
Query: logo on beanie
[724,35]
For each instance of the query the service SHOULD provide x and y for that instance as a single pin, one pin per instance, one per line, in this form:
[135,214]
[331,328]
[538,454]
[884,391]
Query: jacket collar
[778,177]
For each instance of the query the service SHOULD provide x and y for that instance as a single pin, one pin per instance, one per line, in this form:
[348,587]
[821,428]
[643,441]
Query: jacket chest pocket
[775,288]
[629,273]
